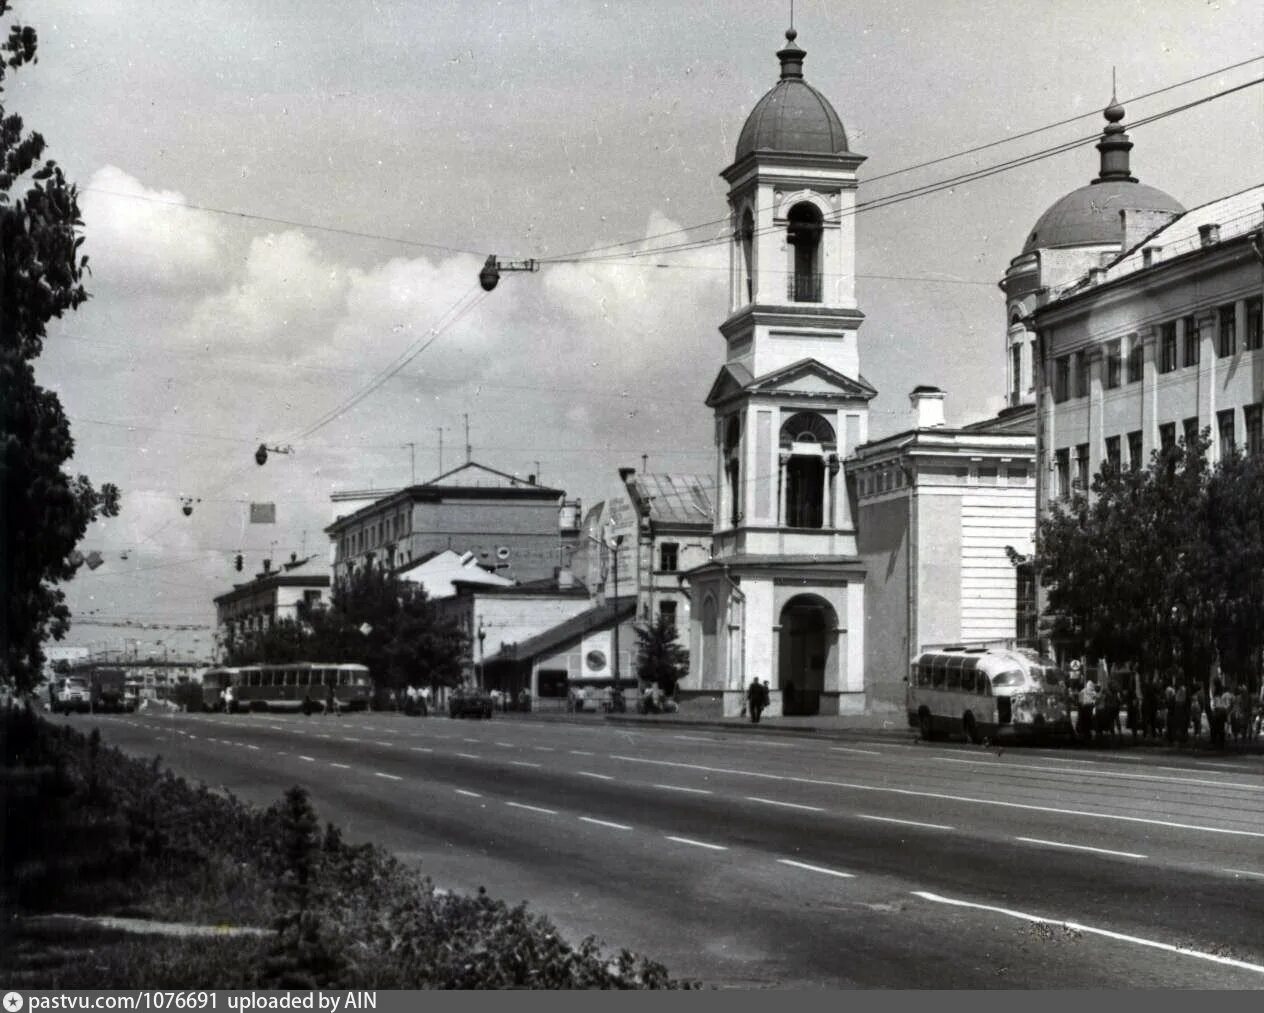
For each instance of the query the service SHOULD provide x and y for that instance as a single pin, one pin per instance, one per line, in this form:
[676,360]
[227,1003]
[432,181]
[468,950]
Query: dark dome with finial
[1089,216]
[793,116]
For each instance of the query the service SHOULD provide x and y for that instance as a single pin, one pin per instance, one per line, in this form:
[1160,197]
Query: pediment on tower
[805,378]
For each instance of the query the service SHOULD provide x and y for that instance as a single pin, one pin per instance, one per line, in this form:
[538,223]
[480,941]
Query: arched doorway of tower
[809,626]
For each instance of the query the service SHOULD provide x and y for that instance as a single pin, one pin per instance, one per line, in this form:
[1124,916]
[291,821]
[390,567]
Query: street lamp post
[482,635]
[617,693]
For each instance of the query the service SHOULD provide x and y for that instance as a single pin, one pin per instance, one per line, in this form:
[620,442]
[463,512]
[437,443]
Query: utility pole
[616,695]
[412,461]
[441,450]
[467,438]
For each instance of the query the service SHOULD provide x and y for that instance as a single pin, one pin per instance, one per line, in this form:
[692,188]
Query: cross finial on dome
[1114,145]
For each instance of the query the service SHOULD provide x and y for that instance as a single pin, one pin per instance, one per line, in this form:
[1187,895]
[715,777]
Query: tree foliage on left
[44,512]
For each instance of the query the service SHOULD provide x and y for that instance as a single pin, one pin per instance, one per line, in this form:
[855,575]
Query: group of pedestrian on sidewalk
[1173,713]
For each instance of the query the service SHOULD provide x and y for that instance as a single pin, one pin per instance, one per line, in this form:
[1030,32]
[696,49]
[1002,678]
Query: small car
[469,701]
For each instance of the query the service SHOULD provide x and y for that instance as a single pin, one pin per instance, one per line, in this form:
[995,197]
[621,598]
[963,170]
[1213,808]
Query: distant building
[519,529]
[439,572]
[939,510]
[273,595]
[1163,341]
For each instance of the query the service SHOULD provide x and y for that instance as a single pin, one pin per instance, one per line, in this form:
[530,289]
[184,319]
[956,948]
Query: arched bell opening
[809,463]
[805,225]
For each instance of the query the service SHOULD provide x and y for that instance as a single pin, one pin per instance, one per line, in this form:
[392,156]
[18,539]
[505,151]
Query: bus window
[291,677]
[954,673]
[1012,677]
[938,672]
[967,680]
[344,677]
[256,678]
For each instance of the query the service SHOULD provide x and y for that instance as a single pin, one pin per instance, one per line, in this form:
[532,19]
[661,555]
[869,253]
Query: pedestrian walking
[1169,715]
[1182,714]
[1133,710]
[331,700]
[1196,715]
[1149,709]
[1220,701]
[752,700]
[1088,702]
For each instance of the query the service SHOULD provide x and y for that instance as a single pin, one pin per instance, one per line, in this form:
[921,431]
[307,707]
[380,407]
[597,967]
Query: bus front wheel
[925,726]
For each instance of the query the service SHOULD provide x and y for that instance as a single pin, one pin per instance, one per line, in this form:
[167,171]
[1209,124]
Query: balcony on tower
[803,287]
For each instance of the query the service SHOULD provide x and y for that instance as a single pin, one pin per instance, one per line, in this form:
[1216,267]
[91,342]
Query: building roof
[296,573]
[793,116]
[673,499]
[600,617]
[1089,216]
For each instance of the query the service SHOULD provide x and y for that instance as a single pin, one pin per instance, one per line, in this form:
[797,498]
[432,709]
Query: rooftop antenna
[792,14]
[441,450]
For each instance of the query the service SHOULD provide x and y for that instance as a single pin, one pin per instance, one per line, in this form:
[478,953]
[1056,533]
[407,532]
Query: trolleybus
[287,687]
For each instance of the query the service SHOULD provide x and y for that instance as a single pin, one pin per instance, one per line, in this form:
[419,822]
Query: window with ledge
[1062,472]
[1224,425]
[1113,452]
[1081,373]
[1114,364]
[1135,460]
[1189,430]
[988,474]
[803,232]
[807,438]
[1192,346]
[1016,475]
[667,612]
[1016,371]
[1255,324]
[1061,378]
[1167,436]
[1253,418]
[733,466]
[668,554]
[1081,466]
[1167,347]
[746,239]
[1136,353]
[1227,342]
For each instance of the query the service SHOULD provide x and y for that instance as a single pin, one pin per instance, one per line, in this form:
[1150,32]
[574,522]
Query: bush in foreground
[107,834]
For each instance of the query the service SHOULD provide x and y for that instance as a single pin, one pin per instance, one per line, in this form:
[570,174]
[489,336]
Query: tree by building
[43,511]
[660,659]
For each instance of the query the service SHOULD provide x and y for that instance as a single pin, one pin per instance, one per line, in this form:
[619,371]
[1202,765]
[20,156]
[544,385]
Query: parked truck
[93,689]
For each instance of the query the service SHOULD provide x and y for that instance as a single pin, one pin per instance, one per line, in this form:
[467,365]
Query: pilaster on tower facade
[782,597]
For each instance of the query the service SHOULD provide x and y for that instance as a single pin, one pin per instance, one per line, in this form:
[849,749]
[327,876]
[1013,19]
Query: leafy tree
[659,657]
[43,511]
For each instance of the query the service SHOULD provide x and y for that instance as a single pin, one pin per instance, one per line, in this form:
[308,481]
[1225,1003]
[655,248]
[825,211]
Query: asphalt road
[753,860]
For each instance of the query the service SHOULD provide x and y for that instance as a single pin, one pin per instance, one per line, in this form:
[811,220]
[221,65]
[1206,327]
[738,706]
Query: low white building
[272,596]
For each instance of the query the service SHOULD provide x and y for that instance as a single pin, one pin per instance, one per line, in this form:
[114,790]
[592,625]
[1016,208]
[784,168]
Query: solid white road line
[906,823]
[1078,847]
[676,787]
[523,763]
[389,777]
[785,805]
[605,823]
[533,808]
[599,777]
[944,796]
[696,844]
[309,759]
[341,766]
[471,794]
[1106,933]
[861,752]
[816,868]
[1244,872]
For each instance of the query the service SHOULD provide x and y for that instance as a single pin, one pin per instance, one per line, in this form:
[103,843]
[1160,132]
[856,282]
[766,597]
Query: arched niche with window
[733,466]
[809,463]
[804,227]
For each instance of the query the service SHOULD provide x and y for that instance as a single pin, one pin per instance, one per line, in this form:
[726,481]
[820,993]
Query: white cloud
[141,236]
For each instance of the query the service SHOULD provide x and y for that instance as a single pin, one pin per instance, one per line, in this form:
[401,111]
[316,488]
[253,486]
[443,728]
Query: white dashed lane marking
[309,759]
[785,805]
[605,823]
[1078,847]
[389,777]
[861,752]
[468,794]
[906,823]
[421,749]
[467,756]
[599,777]
[676,787]
[582,752]
[532,808]
[816,868]
[1244,872]
[341,766]
[697,844]
[523,763]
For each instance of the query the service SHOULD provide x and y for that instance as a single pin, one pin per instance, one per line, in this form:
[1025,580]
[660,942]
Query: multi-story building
[1084,229]
[513,526]
[1162,342]
[272,595]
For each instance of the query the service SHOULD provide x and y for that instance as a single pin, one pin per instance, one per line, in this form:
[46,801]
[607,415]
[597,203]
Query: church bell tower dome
[793,116]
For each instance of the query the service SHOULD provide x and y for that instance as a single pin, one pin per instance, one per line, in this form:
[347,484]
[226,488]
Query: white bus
[987,692]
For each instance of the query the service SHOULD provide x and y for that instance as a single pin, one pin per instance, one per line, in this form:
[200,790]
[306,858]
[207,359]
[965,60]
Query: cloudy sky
[362,159]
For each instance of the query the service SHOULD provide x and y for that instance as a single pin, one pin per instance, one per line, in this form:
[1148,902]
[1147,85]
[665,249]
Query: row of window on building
[891,479]
[1071,372]
[373,535]
[1226,439]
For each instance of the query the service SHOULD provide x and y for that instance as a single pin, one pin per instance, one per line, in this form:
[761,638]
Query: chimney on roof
[267,566]
[293,557]
[626,473]
[1095,274]
[531,480]
[928,406]
[1209,235]
[1149,255]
